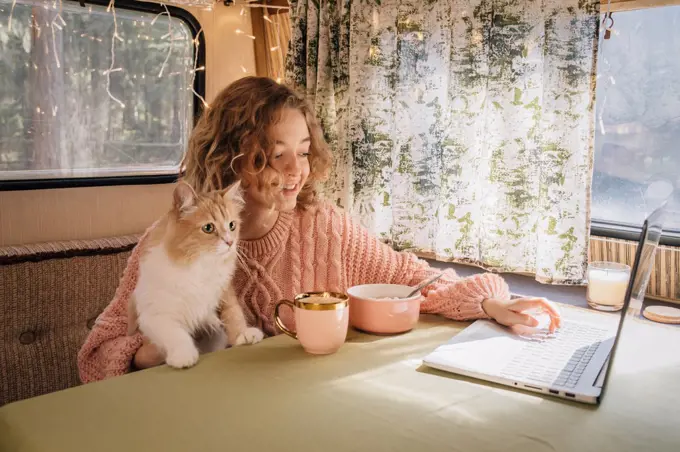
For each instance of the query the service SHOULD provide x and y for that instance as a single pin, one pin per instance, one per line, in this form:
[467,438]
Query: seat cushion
[50,294]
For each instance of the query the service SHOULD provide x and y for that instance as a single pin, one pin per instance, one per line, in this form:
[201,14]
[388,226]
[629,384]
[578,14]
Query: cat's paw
[182,357]
[249,336]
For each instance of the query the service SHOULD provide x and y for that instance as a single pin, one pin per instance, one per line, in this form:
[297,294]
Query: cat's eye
[232,226]
[208,228]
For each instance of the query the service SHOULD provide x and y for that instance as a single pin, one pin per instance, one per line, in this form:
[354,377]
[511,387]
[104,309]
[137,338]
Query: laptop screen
[640,273]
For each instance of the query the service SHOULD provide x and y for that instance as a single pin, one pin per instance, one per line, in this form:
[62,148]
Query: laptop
[572,363]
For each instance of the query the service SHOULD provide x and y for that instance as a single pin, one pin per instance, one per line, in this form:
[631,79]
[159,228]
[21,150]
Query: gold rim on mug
[299,301]
[342,301]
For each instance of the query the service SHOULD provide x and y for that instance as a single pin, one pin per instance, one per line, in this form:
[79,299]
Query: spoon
[424,284]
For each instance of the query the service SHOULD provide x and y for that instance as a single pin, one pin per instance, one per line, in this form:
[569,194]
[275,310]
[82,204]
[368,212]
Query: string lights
[276,25]
[276,48]
[196,43]
[172,40]
[11,14]
[58,26]
[244,18]
[112,9]
[54,25]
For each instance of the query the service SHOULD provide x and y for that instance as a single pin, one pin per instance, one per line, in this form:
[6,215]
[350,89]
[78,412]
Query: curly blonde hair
[231,142]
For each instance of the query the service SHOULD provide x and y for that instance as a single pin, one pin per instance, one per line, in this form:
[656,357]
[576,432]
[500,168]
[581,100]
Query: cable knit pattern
[321,252]
[335,252]
[307,232]
[108,350]
[320,248]
[296,264]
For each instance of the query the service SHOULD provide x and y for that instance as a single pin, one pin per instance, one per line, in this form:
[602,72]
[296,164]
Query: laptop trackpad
[484,347]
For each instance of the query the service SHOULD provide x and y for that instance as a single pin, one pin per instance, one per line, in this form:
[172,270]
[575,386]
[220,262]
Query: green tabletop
[373,395]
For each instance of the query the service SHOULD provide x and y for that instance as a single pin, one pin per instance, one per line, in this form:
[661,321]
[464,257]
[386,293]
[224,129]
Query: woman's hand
[148,355]
[511,312]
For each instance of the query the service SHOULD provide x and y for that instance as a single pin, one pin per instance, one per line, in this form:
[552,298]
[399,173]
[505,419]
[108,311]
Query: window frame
[612,229]
[628,5]
[199,86]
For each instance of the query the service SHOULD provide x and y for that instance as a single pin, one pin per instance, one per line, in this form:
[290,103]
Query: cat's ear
[234,193]
[184,197]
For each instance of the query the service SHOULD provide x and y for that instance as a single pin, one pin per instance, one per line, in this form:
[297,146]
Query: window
[637,139]
[67,110]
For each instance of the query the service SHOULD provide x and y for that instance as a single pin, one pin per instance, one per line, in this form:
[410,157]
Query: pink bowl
[373,308]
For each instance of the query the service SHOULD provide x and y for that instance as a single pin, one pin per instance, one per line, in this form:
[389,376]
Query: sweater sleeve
[370,261]
[108,350]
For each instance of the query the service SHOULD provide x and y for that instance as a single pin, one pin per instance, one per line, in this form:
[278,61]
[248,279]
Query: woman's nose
[292,165]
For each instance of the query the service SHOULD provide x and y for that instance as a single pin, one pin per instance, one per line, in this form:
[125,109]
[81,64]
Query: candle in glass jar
[607,284]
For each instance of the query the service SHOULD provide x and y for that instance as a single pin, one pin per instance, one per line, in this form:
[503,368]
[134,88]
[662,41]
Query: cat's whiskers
[212,327]
[243,263]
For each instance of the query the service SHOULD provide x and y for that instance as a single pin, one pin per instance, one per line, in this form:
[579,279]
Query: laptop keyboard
[559,358]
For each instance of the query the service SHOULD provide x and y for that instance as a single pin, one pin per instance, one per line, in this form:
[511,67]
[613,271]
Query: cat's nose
[228,241]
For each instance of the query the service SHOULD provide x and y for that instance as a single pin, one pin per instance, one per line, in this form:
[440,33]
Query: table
[373,395]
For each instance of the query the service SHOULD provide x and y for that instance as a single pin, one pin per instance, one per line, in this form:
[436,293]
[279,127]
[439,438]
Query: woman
[265,135]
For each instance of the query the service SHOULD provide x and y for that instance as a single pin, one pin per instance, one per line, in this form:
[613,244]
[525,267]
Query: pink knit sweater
[317,249]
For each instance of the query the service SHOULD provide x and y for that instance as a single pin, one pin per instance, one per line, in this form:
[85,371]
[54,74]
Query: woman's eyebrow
[306,140]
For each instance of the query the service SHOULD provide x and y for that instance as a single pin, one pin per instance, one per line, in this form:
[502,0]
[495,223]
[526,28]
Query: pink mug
[321,321]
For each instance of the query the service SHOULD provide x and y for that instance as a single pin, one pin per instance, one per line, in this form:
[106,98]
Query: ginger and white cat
[185,273]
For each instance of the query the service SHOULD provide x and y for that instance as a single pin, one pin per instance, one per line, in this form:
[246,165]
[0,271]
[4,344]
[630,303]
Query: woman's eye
[208,228]
[304,154]
[232,226]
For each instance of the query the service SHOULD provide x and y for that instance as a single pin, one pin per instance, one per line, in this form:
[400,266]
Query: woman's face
[290,157]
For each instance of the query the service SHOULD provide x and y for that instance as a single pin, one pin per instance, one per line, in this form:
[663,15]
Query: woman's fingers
[533,303]
[516,318]
[523,304]
[514,312]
